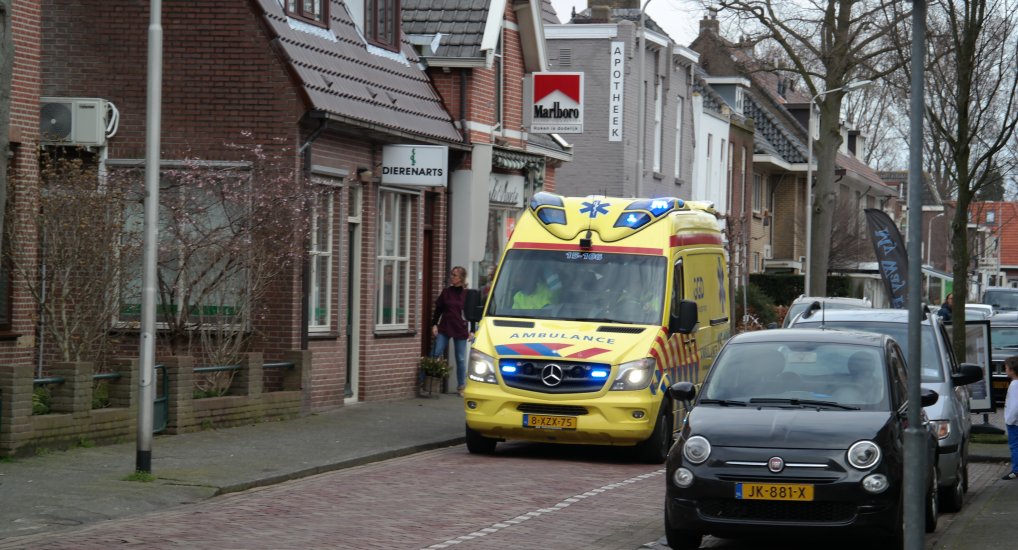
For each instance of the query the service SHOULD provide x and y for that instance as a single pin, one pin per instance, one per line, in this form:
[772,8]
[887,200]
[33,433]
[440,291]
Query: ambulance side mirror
[683,320]
[473,307]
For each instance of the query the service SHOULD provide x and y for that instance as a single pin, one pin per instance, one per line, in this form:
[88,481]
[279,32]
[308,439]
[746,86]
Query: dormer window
[740,99]
[382,23]
[315,12]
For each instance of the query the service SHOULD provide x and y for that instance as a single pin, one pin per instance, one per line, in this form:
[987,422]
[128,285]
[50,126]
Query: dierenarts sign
[420,165]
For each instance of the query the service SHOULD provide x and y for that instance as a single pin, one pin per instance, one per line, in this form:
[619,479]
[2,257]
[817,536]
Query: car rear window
[1002,300]
[931,365]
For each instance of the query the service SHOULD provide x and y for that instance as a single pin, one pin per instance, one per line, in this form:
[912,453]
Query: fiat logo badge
[775,464]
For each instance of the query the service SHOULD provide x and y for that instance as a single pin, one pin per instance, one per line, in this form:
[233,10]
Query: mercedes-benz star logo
[551,375]
[776,464]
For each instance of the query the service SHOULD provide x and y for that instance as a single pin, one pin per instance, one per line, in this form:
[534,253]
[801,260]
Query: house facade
[781,116]
[603,43]
[479,55]
[336,96]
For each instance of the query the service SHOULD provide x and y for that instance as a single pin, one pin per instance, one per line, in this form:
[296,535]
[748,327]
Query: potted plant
[433,373]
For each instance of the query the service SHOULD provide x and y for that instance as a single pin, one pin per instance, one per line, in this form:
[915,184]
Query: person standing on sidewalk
[1011,413]
[448,323]
[945,312]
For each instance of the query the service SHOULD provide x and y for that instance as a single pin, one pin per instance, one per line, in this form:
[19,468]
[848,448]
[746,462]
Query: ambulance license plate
[773,491]
[549,422]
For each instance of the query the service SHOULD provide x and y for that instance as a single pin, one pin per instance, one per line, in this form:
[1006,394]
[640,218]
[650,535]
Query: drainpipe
[305,264]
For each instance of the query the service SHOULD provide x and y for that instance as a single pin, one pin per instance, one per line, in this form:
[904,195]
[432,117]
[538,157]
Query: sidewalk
[61,490]
[65,489]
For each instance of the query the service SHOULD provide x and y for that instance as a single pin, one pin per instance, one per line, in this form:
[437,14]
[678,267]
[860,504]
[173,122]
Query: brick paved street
[525,497]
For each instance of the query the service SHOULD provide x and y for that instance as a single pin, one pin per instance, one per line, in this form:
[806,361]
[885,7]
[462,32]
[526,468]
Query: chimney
[614,4]
[710,22]
[600,14]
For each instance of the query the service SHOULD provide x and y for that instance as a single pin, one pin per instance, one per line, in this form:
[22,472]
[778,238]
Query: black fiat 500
[795,431]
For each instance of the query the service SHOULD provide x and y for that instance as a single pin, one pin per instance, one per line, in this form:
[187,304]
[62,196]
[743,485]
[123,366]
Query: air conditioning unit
[73,121]
[768,253]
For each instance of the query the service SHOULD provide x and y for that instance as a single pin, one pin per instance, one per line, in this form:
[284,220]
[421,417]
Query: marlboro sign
[557,103]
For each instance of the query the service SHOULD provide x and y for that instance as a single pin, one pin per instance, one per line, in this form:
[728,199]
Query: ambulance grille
[621,330]
[554,376]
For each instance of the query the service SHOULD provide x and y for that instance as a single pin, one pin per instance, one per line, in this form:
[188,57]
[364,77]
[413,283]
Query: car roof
[885,315]
[811,335]
[832,299]
[1004,319]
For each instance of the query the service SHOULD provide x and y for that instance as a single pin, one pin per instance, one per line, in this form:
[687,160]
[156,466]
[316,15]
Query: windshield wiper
[803,403]
[723,402]
[1009,346]
[601,320]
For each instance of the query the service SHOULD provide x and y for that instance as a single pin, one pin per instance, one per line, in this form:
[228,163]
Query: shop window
[394,240]
[320,258]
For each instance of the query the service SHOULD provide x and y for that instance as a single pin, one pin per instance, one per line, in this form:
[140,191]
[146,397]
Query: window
[758,192]
[499,84]
[678,137]
[382,23]
[203,260]
[394,210]
[320,256]
[658,126]
[314,11]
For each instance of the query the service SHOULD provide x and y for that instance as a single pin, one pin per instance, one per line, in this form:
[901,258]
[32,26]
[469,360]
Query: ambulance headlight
[635,375]
[482,367]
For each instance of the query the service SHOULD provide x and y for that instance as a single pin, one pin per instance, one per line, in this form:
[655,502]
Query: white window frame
[679,104]
[758,192]
[320,258]
[658,124]
[398,257]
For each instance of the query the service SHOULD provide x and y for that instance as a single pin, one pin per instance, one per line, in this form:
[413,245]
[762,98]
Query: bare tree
[229,232]
[79,259]
[828,44]
[971,113]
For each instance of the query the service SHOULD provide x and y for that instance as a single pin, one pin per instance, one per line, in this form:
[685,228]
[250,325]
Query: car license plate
[549,422]
[773,491]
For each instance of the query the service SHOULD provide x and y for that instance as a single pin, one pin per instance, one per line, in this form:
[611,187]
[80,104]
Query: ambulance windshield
[580,285]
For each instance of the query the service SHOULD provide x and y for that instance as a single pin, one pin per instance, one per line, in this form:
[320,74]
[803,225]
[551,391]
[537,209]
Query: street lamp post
[854,85]
[641,110]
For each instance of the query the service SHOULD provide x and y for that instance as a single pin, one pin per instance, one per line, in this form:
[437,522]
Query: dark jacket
[449,313]
[945,312]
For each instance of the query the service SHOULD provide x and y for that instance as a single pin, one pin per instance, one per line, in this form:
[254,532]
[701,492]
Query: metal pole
[641,110]
[146,389]
[915,456]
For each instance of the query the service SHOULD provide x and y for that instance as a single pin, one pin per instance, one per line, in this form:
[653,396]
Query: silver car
[941,372]
[802,303]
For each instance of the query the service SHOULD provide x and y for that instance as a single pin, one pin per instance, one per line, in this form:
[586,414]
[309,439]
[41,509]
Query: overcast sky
[679,18]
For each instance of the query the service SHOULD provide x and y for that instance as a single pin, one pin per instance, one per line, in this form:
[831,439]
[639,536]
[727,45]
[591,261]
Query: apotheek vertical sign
[557,103]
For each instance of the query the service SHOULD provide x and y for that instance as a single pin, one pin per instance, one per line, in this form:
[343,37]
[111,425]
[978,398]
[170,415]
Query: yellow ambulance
[599,304]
